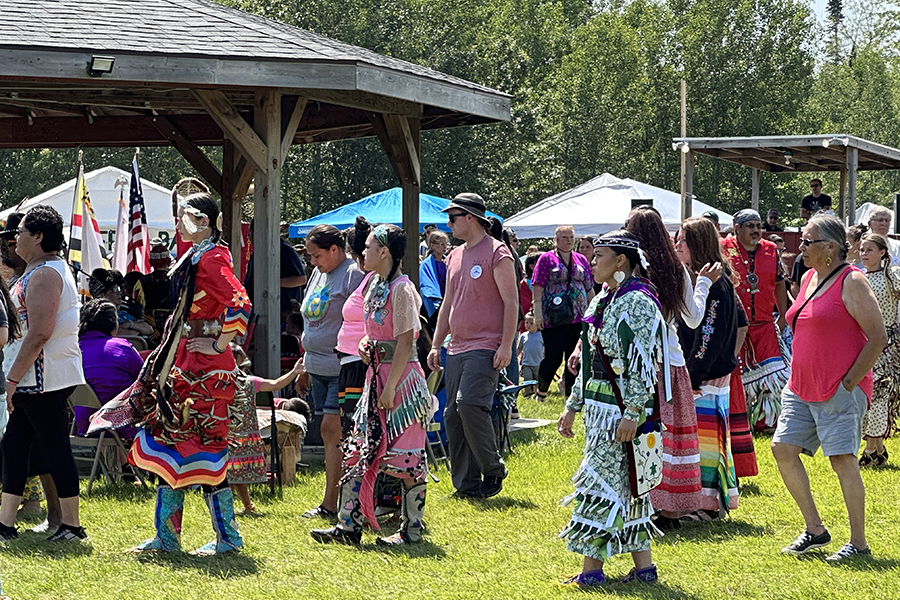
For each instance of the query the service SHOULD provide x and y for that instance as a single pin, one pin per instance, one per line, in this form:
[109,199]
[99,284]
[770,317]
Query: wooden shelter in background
[793,154]
[193,73]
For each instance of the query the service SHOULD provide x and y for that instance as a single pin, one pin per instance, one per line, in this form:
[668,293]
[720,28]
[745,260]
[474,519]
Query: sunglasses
[804,242]
[751,226]
[453,216]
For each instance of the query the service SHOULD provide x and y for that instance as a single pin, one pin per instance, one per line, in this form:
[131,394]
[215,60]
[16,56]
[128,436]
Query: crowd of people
[674,348]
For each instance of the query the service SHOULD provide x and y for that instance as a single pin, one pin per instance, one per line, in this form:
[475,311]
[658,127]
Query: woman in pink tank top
[838,335]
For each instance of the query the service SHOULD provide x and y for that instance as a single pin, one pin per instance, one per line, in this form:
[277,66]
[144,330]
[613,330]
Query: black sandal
[882,458]
[868,459]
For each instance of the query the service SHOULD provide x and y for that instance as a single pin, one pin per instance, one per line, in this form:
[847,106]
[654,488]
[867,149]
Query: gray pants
[471,383]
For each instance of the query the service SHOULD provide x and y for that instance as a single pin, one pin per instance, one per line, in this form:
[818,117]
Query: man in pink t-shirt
[479,313]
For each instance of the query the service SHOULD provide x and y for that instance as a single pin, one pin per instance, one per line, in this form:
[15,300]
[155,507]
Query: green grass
[504,547]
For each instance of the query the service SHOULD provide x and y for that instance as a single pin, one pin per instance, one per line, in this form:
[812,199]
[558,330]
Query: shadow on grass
[713,531]
[501,503]
[751,489]
[859,563]
[221,565]
[523,437]
[124,492]
[423,549]
[642,590]
[31,545]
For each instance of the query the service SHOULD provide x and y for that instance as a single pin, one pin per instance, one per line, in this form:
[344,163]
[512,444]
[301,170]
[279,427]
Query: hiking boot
[848,550]
[68,533]
[337,535]
[806,542]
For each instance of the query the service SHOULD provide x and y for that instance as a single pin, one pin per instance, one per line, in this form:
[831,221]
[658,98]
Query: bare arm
[42,303]
[272,385]
[293,282]
[4,336]
[442,329]
[781,303]
[505,278]
[741,336]
[861,304]
[537,295]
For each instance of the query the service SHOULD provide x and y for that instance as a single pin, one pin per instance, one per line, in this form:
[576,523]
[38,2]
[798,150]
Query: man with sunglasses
[815,200]
[758,266]
[479,312]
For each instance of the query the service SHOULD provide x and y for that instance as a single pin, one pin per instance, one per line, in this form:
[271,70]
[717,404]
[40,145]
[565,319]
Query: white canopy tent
[105,200]
[601,205]
[864,211]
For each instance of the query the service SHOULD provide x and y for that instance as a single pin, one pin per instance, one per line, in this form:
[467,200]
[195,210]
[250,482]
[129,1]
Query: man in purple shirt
[111,364]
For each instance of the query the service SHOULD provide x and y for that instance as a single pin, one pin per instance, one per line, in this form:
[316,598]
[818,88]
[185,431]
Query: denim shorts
[324,390]
[835,425]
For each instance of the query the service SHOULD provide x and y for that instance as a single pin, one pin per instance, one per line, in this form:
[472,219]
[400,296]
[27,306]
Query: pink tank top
[827,341]
[353,327]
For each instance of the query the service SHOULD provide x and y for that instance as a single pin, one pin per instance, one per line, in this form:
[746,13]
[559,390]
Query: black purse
[559,309]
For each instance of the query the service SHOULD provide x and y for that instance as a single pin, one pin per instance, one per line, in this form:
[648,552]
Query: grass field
[504,547]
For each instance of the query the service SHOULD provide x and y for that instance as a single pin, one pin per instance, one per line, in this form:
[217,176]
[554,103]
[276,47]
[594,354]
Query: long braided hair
[394,239]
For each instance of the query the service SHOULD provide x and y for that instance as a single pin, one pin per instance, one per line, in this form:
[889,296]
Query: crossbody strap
[813,295]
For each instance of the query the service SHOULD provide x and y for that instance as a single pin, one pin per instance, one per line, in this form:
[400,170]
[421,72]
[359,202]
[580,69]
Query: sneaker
[646,575]
[68,533]
[806,542]
[319,512]
[8,533]
[337,535]
[589,579]
[491,486]
[848,550]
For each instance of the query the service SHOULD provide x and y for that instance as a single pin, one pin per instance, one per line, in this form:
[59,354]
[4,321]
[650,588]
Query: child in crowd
[531,352]
[246,453]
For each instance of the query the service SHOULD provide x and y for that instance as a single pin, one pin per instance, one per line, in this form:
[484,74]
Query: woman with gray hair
[838,335]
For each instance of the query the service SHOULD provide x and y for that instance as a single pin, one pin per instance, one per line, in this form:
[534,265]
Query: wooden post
[754,189]
[685,194]
[852,166]
[267,251]
[896,222]
[842,196]
[231,208]
[687,184]
[399,136]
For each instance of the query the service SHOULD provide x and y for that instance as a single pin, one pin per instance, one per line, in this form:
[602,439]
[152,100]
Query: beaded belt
[385,350]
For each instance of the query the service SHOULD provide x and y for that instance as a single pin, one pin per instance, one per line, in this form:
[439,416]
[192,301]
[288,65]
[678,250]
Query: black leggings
[559,341]
[38,432]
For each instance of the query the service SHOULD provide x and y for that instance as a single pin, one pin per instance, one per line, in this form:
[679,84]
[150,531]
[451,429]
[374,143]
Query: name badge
[475,273]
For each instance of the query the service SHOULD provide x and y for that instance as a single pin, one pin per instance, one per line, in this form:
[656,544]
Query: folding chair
[84,402]
[434,429]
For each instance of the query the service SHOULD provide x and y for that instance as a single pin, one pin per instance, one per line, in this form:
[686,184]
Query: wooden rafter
[189,150]
[239,131]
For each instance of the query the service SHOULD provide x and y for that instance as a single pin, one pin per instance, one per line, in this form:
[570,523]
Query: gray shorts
[835,425]
[529,372]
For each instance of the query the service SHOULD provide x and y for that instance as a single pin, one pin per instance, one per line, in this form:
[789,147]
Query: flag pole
[74,200]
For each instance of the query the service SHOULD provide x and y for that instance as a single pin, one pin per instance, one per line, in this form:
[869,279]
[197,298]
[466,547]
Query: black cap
[12,226]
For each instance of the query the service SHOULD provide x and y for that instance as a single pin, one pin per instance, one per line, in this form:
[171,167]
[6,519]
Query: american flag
[139,241]
[86,250]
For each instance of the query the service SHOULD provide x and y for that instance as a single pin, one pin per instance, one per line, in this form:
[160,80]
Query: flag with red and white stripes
[139,239]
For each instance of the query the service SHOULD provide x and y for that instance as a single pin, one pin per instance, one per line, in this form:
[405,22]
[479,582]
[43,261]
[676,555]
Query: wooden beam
[754,189]
[290,129]
[362,100]
[266,243]
[687,206]
[402,135]
[842,195]
[852,165]
[190,151]
[244,174]
[232,123]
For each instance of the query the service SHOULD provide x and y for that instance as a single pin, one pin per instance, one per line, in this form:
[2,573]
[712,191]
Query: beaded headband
[611,242]
[381,234]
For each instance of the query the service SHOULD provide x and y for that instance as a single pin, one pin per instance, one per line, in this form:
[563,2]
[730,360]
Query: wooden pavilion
[793,154]
[193,73]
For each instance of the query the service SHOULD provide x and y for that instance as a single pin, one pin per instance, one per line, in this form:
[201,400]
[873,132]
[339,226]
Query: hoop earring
[828,261]
[619,276]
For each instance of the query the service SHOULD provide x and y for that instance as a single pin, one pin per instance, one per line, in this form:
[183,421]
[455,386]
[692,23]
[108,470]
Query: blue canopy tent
[382,207]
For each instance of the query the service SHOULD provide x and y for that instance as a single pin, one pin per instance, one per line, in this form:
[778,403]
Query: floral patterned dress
[606,519]
[879,420]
